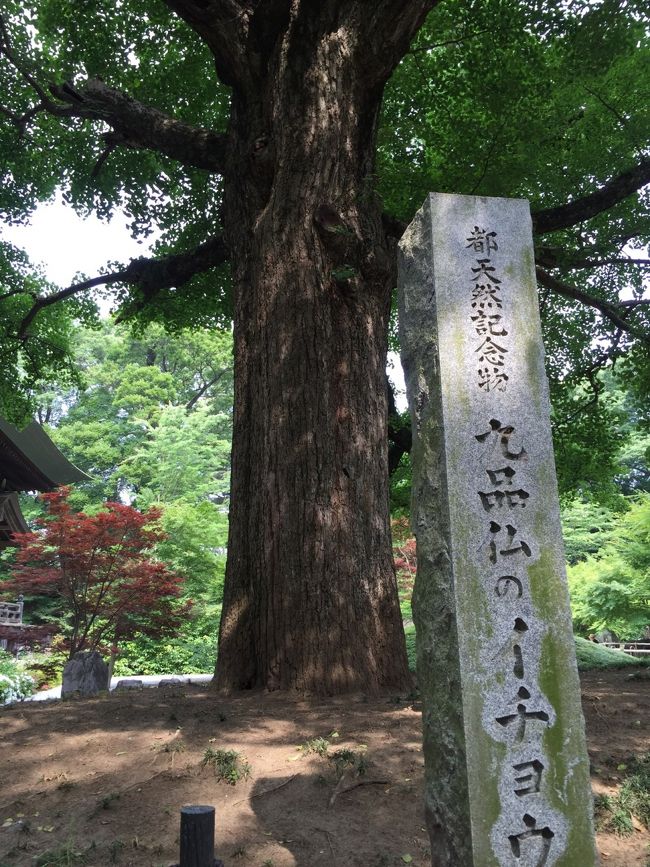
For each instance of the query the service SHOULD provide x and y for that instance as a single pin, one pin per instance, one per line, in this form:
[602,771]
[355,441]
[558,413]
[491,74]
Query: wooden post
[197,837]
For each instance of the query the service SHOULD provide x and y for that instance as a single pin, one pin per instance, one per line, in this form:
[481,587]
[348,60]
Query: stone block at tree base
[86,674]
[507,772]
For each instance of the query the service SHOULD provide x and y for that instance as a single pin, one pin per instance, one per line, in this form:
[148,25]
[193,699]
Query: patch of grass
[634,795]
[594,656]
[65,856]
[616,812]
[228,765]
[319,746]
[107,800]
[344,760]
[409,632]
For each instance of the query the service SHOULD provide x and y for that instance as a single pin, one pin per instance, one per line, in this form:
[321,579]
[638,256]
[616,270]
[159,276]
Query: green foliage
[587,528]
[587,437]
[319,746]
[611,590]
[634,795]
[154,419]
[592,656]
[405,560]
[349,760]
[409,632]
[400,487]
[192,651]
[15,683]
[229,765]
[151,422]
[46,353]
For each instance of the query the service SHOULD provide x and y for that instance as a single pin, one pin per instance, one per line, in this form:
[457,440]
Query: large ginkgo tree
[280,146]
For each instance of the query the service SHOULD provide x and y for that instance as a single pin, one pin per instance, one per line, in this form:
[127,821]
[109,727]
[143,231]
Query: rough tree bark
[310,596]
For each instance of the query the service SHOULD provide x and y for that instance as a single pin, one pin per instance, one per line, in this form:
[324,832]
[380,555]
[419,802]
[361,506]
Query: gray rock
[506,767]
[85,674]
[129,684]
[170,681]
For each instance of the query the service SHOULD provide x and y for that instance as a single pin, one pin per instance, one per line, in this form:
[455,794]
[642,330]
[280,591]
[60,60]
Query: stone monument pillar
[507,773]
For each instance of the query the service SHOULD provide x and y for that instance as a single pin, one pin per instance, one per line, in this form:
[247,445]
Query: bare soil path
[101,781]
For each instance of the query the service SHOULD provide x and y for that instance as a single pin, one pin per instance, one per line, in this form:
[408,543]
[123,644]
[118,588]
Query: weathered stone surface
[507,779]
[86,673]
[129,684]
[170,681]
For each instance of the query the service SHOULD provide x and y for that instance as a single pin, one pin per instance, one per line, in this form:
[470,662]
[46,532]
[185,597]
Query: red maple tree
[101,568]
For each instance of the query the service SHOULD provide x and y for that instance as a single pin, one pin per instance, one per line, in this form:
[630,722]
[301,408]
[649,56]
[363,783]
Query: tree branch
[553,257]
[202,390]
[391,26]
[586,207]
[607,309]
[223,26]
[140,126]
[150,276]
[132,124]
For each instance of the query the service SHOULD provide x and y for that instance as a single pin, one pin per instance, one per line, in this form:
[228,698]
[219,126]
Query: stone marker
[507,773]
[86,674]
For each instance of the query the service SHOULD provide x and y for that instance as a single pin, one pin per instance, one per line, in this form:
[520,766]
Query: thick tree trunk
[310,598]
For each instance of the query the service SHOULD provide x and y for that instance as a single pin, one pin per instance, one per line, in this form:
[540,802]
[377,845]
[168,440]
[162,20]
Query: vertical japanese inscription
[487,312]
[523,712]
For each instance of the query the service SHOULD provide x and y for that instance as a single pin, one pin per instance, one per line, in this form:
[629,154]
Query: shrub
[228,765]
[15,684]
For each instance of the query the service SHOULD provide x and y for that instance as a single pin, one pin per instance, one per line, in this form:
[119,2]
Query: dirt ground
[101,781]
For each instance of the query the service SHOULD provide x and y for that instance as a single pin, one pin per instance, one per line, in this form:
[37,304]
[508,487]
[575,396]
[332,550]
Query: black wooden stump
[197,837]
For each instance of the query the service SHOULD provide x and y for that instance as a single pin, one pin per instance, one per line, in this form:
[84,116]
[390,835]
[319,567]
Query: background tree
[610,589]
[279,164]
[150,420]
[100,568]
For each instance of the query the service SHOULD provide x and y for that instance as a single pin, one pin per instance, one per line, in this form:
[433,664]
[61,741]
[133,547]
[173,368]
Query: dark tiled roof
[29,460]
[11,519]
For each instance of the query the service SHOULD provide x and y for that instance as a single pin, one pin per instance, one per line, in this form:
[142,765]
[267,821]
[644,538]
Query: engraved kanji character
[520,718]
[508,551]
[491,353]
[486,270]
[481,241]
[542,838]
[507,586]
[486,297]
[518,667]
[509,499]
[501,434]
[489,379]
[506,472]
[529,777]
[518,670]
[488,323]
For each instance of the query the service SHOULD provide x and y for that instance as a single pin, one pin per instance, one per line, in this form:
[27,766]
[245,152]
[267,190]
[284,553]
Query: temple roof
[11,519]
[29,460]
